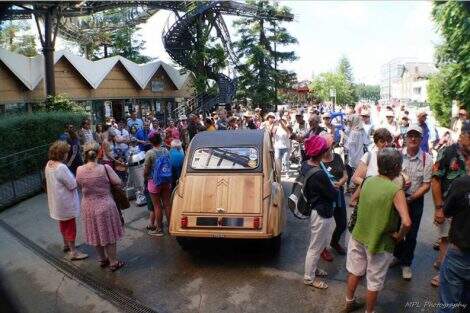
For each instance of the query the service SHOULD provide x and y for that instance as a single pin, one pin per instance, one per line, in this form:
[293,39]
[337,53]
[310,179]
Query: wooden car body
[229,188]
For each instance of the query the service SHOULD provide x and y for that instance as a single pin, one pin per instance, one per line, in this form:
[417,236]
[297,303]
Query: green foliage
[11,39]
[28,136]
[345,69]
[322,84]
[260,48]
[121,41]
[367,92]
[440,96]
[453,58]
[62,103]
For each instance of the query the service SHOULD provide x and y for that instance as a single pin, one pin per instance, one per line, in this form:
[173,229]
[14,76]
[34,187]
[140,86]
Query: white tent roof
[31,70]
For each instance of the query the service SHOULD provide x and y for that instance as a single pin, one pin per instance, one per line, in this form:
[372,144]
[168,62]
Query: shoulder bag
[119,195]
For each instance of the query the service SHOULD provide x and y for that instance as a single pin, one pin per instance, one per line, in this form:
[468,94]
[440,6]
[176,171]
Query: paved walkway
[221,277]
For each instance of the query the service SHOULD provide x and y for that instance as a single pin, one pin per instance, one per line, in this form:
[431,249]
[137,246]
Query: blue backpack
[162,170]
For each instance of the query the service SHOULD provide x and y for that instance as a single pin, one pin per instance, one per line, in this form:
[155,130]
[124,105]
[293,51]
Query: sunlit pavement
[222,276]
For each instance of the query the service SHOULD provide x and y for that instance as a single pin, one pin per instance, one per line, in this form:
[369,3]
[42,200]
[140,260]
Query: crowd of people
[386,159]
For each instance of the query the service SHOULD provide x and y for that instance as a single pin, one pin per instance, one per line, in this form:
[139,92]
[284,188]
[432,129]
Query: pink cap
[315,146]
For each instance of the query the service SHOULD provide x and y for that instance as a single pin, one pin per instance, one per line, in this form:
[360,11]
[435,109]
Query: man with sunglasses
[417,165]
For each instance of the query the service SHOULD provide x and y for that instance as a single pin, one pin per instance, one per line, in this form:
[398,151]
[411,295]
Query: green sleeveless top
[377,218]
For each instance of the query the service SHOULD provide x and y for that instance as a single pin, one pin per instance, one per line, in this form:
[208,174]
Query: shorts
[154,189]
[149,201]
[375,266]
[68,229]
[443,229]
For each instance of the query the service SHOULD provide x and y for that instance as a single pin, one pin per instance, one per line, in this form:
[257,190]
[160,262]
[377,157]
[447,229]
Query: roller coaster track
[178,39]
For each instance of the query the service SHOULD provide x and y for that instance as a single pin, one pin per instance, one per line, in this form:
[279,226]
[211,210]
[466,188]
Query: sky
[368,33]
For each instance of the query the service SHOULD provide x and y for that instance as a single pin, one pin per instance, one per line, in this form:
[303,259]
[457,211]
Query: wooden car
[229,188]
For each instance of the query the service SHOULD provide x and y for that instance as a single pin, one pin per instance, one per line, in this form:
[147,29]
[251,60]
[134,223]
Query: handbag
[353,218]
[119,196]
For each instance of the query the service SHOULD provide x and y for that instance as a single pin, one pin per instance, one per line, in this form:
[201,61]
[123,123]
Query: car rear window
[226,158]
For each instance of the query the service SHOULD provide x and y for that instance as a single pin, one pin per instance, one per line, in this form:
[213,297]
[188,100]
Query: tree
[452,58]
[103,39]
[258,48]
[440,96]
[323,83]
[14,36]
[367,92]
[345,68]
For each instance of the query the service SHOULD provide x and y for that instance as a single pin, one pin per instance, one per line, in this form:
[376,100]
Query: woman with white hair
[356,143]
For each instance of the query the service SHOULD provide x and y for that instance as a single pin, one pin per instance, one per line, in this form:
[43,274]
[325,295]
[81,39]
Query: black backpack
[297,202]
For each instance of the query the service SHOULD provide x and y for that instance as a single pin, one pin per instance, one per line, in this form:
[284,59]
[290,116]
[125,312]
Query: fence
[21,175]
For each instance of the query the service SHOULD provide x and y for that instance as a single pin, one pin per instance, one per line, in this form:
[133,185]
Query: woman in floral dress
[102,222]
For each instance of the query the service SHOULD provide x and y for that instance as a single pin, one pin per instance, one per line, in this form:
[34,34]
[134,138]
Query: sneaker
[353,305]
[156,232]
[326,255]
[406,272]
[340,250]
[76,256]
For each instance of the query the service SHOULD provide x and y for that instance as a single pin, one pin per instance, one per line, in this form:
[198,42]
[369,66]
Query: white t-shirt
[62,195]
[371,162]
[281,138]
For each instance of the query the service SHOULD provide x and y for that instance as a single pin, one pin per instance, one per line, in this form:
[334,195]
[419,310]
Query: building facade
[405,79]
[109,87]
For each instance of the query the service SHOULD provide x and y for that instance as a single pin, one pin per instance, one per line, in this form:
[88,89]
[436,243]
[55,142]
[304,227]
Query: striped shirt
[418,168]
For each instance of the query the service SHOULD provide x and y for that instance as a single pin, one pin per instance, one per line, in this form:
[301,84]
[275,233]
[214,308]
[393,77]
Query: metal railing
[22,175]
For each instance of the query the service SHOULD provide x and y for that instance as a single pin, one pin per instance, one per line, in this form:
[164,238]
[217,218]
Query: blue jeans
[282,154]
[405,249]
[454,286]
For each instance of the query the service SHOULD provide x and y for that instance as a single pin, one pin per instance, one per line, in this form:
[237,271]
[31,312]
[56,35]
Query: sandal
[319,284]
[435,281]
[114,267]
[151,227]
[321,273]
[104,263]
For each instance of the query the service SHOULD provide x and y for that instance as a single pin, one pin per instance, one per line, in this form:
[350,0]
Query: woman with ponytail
[101,218]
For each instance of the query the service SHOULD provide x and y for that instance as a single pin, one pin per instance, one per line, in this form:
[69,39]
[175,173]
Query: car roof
[228,138]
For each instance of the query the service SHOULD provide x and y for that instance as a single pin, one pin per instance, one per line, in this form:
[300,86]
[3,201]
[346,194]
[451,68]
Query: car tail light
[257,223]
[184,222]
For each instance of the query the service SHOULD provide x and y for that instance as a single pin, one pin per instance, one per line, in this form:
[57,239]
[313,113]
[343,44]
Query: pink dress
[99,213]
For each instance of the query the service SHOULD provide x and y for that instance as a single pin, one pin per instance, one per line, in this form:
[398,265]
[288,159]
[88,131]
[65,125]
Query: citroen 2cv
[229,188]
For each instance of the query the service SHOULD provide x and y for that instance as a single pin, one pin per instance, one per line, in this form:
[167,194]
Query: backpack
[162,169]
[297,202]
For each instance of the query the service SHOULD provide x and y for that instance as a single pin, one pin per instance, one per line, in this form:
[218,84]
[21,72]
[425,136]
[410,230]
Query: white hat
[183,117]
[415,128]
[389,113]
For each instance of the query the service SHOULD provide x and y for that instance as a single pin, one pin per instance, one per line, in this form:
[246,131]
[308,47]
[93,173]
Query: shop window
[14,108]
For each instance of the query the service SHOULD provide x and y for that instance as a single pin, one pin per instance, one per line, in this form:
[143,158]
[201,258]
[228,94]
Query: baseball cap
[365,113]
[415,128]
[389,113]
[421,113]
[183,117]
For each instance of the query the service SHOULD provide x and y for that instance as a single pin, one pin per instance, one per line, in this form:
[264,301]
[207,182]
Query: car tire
[184,242]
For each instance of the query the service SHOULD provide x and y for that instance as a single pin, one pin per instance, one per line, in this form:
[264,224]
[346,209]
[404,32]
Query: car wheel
[184,242]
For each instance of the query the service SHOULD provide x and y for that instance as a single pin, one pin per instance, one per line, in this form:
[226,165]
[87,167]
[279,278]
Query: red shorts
[68,229]
[154,189]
